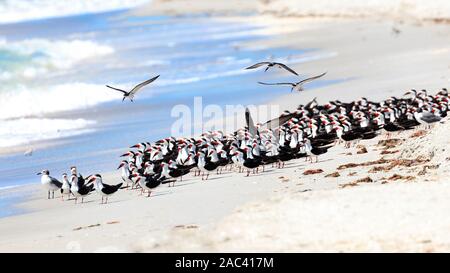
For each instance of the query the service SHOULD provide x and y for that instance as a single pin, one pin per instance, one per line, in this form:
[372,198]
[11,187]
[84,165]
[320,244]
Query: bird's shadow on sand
[86,202]
[216,177]
[182,184]
[159,194]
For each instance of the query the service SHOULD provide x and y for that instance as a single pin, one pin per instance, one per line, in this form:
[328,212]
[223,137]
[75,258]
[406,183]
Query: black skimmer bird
[250,162]
[104,190]
[316,151]
[296,86]
[173,172]
[125,172]
[272,64]
[79,188]
[150,182]
[65,188]
[205,166]
[130,94]
[80,179]
[51,184]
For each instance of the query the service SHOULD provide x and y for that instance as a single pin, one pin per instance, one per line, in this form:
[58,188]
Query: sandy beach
[392,197]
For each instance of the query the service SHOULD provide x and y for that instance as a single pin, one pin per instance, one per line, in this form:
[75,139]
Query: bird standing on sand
[50,184]
[78,188]
[296,86]
[125,172]
[65,188]
[130,94]
[104,190]
[272,64]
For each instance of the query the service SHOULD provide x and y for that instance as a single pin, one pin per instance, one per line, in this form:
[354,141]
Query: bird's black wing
[56,182]
[117,89]
[250,125]
[86,189]
[257,65]
[108,189]
[81,181]
[278,83]
[287,68]
[308,105]
[312,78]
[276,122]
[142,84]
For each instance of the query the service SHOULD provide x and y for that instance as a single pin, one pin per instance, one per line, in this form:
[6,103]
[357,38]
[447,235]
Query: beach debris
[348,166]
[352,173]
[349,153]
[418,133]
[112,222]
[387,152]
[376,169]
[284,178]
[356,182]
[390,143]
[396,31]
[361,149]
[396,176]
[85,227]
[335,174]
[393,163]
[313,171]
[365,164]
[186,226]
[306,190]
[351,184]
[364,180]
[407,162]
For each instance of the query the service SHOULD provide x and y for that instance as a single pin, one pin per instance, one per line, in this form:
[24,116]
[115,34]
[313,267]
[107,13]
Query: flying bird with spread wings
[296,86]
[272,64]
[130,94]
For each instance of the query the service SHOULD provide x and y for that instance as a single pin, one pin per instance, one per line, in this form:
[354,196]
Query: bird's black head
[46,172]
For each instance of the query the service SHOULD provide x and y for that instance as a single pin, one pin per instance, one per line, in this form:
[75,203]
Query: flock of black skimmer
[307,132]
[77,186]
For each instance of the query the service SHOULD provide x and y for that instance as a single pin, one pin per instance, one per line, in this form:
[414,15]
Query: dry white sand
[284,210]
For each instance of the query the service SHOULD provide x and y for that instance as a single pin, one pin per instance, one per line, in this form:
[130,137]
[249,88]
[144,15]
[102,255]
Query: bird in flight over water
[273,64]
[296,86]
[130,94]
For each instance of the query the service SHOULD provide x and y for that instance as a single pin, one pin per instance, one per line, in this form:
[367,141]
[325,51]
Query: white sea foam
[26,101]
[41,58]
[36,57]
[25,130]
[23,10]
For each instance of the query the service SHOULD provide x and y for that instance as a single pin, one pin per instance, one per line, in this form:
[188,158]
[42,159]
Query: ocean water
[53,71]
